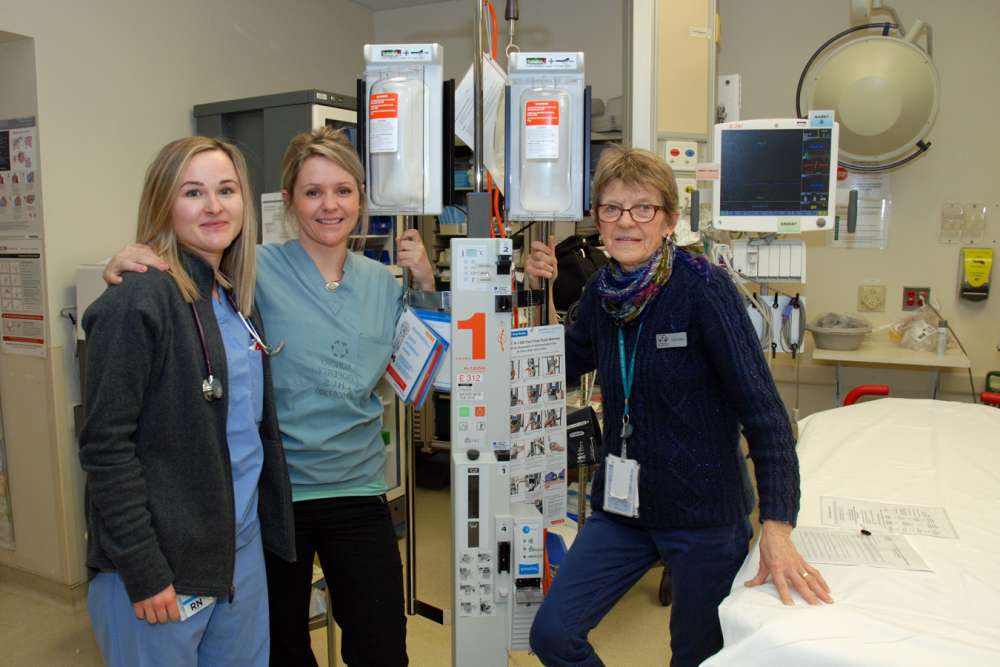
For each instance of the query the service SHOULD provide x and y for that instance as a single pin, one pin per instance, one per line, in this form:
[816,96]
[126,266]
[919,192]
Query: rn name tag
[665,340]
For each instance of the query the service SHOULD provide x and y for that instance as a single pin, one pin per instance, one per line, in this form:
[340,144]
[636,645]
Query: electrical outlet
[915,297]
[871,298]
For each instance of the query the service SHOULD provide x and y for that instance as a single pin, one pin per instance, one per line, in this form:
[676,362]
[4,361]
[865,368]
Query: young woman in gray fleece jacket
[186,477]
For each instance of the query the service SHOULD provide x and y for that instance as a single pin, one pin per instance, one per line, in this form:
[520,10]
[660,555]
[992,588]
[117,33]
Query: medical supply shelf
[878,350]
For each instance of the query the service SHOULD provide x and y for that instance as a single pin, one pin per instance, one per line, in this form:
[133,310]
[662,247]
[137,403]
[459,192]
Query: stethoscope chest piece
[211,388]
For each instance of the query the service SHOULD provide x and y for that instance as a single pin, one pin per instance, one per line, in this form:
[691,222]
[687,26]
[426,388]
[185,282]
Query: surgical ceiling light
[884,89]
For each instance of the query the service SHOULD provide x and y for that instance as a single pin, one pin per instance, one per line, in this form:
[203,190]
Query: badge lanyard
[627,378]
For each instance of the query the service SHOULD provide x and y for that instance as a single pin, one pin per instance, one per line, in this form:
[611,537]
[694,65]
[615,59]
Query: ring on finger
[805,575]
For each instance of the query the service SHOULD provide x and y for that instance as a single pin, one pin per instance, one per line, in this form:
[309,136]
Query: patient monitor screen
[775,172]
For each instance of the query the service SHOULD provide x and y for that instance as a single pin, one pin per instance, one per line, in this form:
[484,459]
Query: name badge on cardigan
[667,340]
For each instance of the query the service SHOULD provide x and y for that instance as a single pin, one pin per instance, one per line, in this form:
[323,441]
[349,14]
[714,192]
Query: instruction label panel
[541,119]
[383,114]
[538,420]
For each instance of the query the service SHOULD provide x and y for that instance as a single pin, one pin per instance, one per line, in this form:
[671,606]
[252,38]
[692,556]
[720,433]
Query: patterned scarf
[624,295]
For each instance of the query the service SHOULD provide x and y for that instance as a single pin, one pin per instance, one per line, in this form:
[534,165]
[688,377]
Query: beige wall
[17,72]
[596,28]
[768,42]
[116,80]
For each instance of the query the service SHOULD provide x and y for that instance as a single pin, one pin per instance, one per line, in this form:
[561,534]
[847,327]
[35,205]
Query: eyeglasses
[640,213]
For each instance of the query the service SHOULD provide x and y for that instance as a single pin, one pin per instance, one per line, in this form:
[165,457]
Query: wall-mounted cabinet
[685,68]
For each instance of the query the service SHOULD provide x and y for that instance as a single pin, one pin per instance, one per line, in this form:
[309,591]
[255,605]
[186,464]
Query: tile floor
[37,632]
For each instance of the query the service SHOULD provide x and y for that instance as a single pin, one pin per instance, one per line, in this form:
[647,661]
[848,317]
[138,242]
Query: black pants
[357,550]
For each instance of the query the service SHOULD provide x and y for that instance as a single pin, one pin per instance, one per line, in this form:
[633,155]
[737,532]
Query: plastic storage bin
[838,338]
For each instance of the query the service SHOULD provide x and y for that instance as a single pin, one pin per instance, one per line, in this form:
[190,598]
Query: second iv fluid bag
[545,148]
[399,116]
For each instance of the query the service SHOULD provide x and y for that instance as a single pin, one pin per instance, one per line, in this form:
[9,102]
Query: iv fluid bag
[398,130]
[545,160]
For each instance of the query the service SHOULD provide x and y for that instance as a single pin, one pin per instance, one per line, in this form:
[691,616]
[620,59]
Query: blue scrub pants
[609,556]
[223,634]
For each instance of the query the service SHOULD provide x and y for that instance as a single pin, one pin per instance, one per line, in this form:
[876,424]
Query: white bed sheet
[921,452]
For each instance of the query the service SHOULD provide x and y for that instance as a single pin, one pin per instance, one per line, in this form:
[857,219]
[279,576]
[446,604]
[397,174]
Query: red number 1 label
[477,324]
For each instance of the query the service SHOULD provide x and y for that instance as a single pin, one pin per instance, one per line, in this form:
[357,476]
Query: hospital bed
[919,452]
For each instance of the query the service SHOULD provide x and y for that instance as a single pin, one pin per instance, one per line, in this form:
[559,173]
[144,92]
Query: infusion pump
[497,544]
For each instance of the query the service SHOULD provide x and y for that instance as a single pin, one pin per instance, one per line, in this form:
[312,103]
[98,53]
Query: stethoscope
[211,386]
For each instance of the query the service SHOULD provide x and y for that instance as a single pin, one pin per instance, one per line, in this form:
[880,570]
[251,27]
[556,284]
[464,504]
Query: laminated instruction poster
[22,272]
[20,201]
[538,420]
[22,301]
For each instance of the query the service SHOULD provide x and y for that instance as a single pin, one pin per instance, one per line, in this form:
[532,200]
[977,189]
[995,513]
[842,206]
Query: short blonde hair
[155,228]
[334,146]
[634,166]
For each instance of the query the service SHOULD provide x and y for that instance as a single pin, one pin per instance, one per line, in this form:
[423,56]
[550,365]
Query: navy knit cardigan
[688,403]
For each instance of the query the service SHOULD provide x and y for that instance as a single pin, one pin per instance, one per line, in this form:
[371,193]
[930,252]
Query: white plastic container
[545,171]
[545,148]
[404,143]
[399,115]
[942,337]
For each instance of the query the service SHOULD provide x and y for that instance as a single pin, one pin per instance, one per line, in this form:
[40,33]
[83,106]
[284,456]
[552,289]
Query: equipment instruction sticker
[538,420]
[541,120]
[475,271]
[383,115]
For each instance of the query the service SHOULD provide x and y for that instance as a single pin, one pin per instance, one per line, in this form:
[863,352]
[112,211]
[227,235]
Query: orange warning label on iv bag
[383,105]
[541,112]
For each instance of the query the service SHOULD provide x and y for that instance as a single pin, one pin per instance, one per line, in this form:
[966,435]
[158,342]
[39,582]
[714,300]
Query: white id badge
[189,605]
[621,486]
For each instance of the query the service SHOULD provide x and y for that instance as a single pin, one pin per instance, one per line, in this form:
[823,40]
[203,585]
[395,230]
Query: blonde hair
[634,166]
[237,270]
[334,146]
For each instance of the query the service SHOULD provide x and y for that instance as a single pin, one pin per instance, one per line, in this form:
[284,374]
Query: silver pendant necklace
[332,285]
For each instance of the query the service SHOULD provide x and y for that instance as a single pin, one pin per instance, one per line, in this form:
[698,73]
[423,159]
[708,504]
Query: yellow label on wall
[976,263]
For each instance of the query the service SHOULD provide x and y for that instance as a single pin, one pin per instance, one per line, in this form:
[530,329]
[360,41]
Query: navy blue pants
[608,557]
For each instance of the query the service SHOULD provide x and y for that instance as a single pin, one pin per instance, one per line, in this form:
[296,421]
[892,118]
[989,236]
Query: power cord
[721,255]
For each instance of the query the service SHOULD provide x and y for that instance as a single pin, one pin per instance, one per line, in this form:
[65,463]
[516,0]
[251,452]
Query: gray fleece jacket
[159,505]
